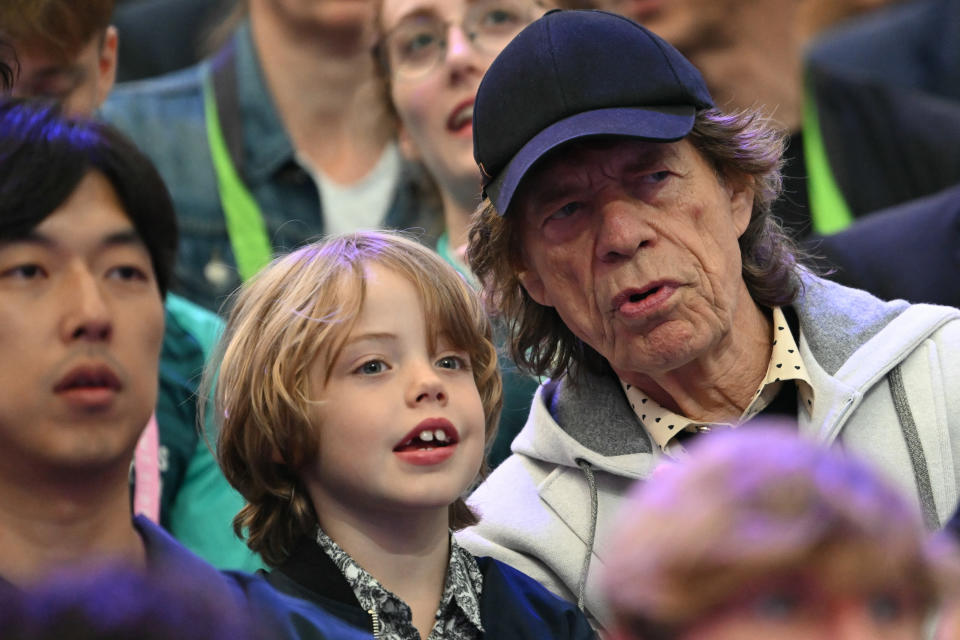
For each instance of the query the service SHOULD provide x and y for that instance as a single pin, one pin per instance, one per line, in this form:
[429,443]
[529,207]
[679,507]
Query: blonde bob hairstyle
[299,308]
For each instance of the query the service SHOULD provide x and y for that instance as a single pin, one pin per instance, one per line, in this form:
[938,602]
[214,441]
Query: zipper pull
[376,622]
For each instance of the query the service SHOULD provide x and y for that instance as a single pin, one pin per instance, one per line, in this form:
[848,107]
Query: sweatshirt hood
[836,322]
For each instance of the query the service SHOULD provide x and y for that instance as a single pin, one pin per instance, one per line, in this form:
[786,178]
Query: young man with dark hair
[87,242]
[67,53]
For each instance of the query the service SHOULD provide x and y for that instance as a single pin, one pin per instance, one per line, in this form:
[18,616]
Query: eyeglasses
[419,42]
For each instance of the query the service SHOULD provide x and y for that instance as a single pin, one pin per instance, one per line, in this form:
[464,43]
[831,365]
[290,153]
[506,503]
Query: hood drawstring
[592,483]
[915,448]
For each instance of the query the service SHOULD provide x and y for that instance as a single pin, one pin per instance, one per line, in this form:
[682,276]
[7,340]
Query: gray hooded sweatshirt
[886,379]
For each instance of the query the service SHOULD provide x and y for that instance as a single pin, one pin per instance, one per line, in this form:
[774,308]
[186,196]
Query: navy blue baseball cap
[574,74]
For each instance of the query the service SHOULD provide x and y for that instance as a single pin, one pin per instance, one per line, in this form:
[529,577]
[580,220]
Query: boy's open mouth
[430,434]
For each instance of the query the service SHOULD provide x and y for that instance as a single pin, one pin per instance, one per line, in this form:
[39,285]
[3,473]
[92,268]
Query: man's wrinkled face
[80,83]
[635,244]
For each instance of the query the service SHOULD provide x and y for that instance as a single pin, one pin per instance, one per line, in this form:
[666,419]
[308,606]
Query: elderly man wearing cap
[625,235]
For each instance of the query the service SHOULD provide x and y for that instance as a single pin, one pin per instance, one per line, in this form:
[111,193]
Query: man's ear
[107,64]
[534,286]
[741,203]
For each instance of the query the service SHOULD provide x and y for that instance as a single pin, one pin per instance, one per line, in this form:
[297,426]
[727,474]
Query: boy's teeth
[440,435]
[426,436]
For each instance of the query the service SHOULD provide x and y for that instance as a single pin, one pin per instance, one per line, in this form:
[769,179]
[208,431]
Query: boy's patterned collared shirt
[457,617]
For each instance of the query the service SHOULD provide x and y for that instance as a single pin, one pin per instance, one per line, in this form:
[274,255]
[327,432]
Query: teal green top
[197,504]
[443,248]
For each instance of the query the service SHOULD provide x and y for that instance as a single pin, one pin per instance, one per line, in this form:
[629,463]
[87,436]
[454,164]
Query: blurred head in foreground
[761,534]
[118,603]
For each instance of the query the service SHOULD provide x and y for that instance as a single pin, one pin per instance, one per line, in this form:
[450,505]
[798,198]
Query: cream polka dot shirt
[785,364]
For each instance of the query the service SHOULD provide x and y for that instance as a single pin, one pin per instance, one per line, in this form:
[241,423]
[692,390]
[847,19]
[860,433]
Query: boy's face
[401,425]
[80,83]
[81,322]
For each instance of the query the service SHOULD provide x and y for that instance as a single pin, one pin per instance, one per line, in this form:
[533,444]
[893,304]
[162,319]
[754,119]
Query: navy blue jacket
[281,616]
[512,604]
[911,251]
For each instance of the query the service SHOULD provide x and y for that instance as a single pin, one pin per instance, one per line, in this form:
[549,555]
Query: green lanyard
[828,208]
[245,225]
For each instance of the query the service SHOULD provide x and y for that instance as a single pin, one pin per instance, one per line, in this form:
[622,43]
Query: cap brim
[658,124]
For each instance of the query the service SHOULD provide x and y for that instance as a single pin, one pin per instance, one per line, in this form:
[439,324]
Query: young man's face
[80,83]
[81,323]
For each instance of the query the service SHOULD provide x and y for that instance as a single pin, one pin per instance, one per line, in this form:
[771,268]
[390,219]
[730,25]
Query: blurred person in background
[911,46]
[909,252]
[282,135]
[909,53]
[118,603]
[66,53]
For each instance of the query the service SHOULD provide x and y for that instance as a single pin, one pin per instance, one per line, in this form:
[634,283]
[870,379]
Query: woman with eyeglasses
[434,53]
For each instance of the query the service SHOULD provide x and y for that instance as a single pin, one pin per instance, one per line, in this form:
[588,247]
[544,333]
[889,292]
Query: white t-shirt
[362,204]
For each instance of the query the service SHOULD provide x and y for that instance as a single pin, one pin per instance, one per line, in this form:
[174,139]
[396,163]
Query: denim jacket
[165,118]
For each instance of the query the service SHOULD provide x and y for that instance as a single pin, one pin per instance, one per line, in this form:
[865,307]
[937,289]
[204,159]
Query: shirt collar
[462,588]
[786,363]
[464,583]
